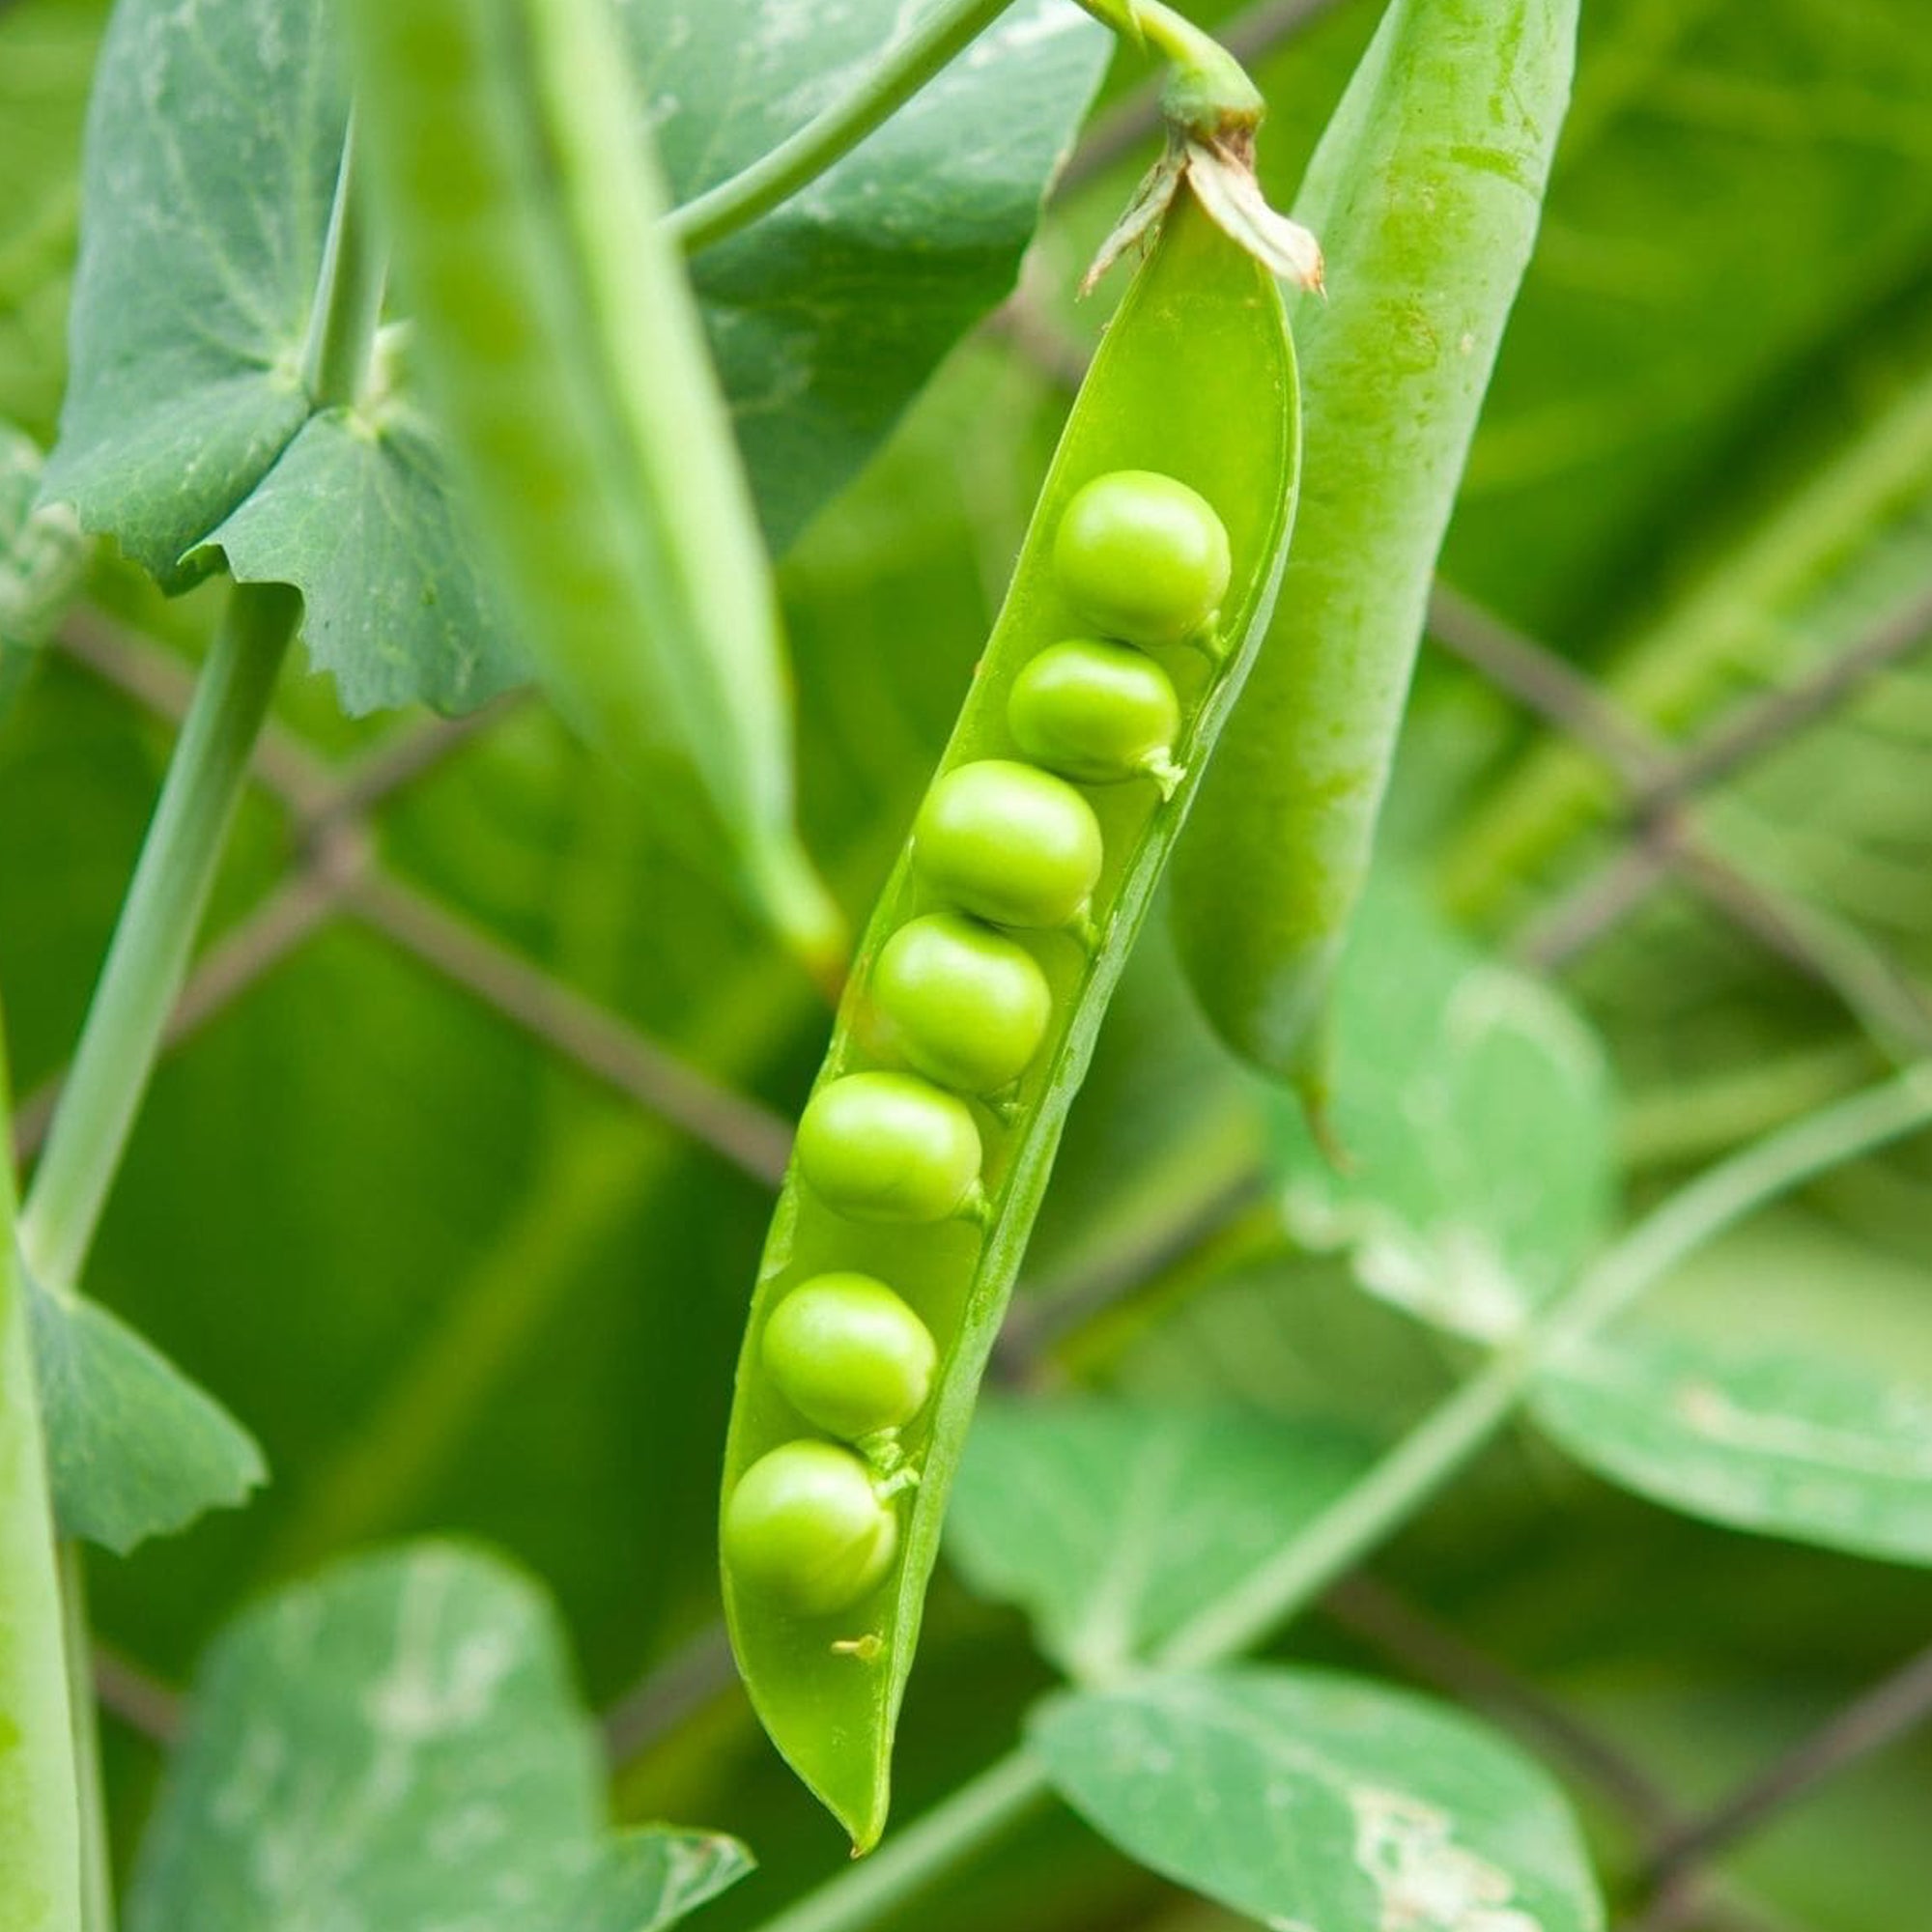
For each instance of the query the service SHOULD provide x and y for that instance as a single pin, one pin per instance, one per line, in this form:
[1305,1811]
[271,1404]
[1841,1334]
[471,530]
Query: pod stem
[1209,93]
[1406,1478]
[1211,108]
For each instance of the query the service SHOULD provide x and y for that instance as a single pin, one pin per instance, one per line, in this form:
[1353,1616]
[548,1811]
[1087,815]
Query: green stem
[775,177]
[150,953]
[97,1863]
[342,325]
[148,956]
[1419,1464]
[1208,90]
[40,1783]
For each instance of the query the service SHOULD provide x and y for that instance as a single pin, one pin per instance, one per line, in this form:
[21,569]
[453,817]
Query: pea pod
[571,369]
[1195,383]
[1427,188]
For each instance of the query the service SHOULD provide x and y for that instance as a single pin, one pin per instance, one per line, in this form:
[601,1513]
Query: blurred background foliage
[452,1282]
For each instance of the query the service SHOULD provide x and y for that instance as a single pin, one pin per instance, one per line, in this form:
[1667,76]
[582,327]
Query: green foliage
[1302,1798]
[398,1744]
[199,274]
[1470,1176]
[136,1449]
[1781,1381]
[1111,1524]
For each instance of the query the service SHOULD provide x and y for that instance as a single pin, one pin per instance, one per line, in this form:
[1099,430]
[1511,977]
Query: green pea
[965,1006]
[887,1147]
[1143,556]
[1013,844]
[805,1528]
[849,1356]
[1101,713]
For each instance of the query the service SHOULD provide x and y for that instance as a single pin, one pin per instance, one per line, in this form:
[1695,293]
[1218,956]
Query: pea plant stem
[39,1782]
[148,956]
[96,1865]
[776,176]
[1390,1493]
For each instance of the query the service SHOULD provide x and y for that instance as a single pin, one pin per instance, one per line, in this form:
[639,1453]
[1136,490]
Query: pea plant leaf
[1472,1110]
[397,1745]
[43,555]
[136,1449]
[828,314]
[215,140]
[1109,1523]
[1306,1799]
[1781,1381]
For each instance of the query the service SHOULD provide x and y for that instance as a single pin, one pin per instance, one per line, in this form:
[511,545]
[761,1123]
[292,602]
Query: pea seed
[887,1146]
[966,1007]
[849,1356]
[1016,846]
[1141,557]
[805,1528]
[1098,712]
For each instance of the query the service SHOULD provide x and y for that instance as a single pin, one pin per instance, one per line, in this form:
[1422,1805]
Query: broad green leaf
[136,1448]
[42,557]
[397,1746]
[828,314]
[214,141]
[39,1822]
[1109,1523]
[1306,1799]
[1472,1113]
[1779,1382]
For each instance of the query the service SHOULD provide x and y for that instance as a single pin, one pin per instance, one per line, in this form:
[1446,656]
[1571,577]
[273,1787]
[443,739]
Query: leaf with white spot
[1311,1800]
[1472,1107]
[1111,1523]
[1780,1381]
[397,1746]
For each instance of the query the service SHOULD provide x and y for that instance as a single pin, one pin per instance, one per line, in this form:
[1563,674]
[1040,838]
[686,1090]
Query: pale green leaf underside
[1472,1107]
[1109,1523]
[397,1746]
[1782,1382]
[134,1448]
[1319,1802]
[214,139]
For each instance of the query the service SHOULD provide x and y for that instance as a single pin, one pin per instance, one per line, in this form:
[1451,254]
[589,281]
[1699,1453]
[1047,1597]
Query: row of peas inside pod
[958,1003]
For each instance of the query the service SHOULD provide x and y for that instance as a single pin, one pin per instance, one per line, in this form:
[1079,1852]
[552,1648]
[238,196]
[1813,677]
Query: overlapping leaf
[214,141]
[1110,1523]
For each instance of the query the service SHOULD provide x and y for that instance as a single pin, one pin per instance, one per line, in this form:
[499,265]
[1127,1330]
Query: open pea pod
[1196,383]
